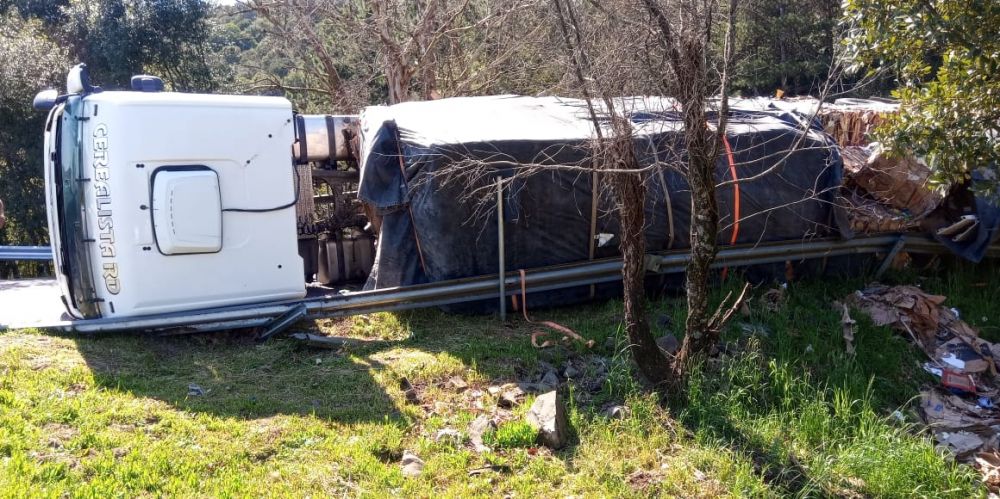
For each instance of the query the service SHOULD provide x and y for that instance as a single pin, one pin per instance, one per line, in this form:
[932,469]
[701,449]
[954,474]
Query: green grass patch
[511,435]
[786,413]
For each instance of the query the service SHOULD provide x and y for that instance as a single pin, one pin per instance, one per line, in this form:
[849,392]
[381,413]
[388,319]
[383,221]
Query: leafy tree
[946,56]
[121,38]
[29,61]
[786,45]
[48,11]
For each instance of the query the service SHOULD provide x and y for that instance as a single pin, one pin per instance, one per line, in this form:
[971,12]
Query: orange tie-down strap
[535,335]
[736,199]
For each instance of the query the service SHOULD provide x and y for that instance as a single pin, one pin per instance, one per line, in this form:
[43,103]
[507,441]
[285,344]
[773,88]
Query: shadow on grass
[242,379]
[239,378]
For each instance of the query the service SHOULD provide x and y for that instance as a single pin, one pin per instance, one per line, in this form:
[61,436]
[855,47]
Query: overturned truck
[427,169]
[203,212]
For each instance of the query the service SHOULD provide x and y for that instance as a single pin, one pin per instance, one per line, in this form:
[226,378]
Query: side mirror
[78,81]
[45,100]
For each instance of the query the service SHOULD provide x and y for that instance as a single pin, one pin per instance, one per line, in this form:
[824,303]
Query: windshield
[69,183]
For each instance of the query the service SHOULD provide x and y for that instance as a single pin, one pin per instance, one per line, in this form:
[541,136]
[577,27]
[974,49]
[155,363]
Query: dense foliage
[947,57]
[29,61]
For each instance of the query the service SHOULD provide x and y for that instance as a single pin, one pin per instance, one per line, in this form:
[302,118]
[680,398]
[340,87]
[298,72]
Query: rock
[664,321]
[550,379]
[600,365]
[548,416]
[534,387]
[617,412]
[668,343]
[458,383]
[477,428]
[494,390]
[409,391]
[570,372]
[511,396]
[411,464]
[449,436]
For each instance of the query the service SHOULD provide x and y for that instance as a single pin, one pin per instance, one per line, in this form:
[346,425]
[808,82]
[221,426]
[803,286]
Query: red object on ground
[955,381]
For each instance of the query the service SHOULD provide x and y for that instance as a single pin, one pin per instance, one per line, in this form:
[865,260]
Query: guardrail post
[502,273]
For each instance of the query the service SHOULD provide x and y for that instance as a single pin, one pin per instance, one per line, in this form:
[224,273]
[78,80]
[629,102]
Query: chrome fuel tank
[324,138]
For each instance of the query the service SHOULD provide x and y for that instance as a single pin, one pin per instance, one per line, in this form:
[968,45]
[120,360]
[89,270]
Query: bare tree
[684,43]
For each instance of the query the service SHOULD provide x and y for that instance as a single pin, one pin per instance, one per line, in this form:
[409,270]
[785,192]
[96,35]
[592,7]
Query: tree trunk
[630,195]
[702,153]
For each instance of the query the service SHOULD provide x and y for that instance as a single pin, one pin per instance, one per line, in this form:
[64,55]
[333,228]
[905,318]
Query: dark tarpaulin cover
[987,211]
[434,230]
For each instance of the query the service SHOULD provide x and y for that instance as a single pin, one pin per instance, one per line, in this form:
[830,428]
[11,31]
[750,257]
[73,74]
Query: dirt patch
[642,480]
[57,435]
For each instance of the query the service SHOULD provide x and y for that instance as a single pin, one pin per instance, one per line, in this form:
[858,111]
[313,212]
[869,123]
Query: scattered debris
[320,341]
[932,369]
[850,326]
[961,230]
[411,464]
[988,464]
[960,411]
[195,390]
[961,443]
[921,316]
[959,354]
[897,182]
[548,416]
[960,384]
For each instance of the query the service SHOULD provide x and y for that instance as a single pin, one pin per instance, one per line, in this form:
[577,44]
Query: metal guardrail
[25,253]
[485,287]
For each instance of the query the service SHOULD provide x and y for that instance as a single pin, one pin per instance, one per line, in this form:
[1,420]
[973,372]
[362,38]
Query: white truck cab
[164,202]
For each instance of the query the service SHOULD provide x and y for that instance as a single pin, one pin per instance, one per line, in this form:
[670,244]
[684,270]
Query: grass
[511,434]
[786,413]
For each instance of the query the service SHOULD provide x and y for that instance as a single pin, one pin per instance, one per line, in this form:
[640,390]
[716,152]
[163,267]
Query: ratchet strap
[736,199]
